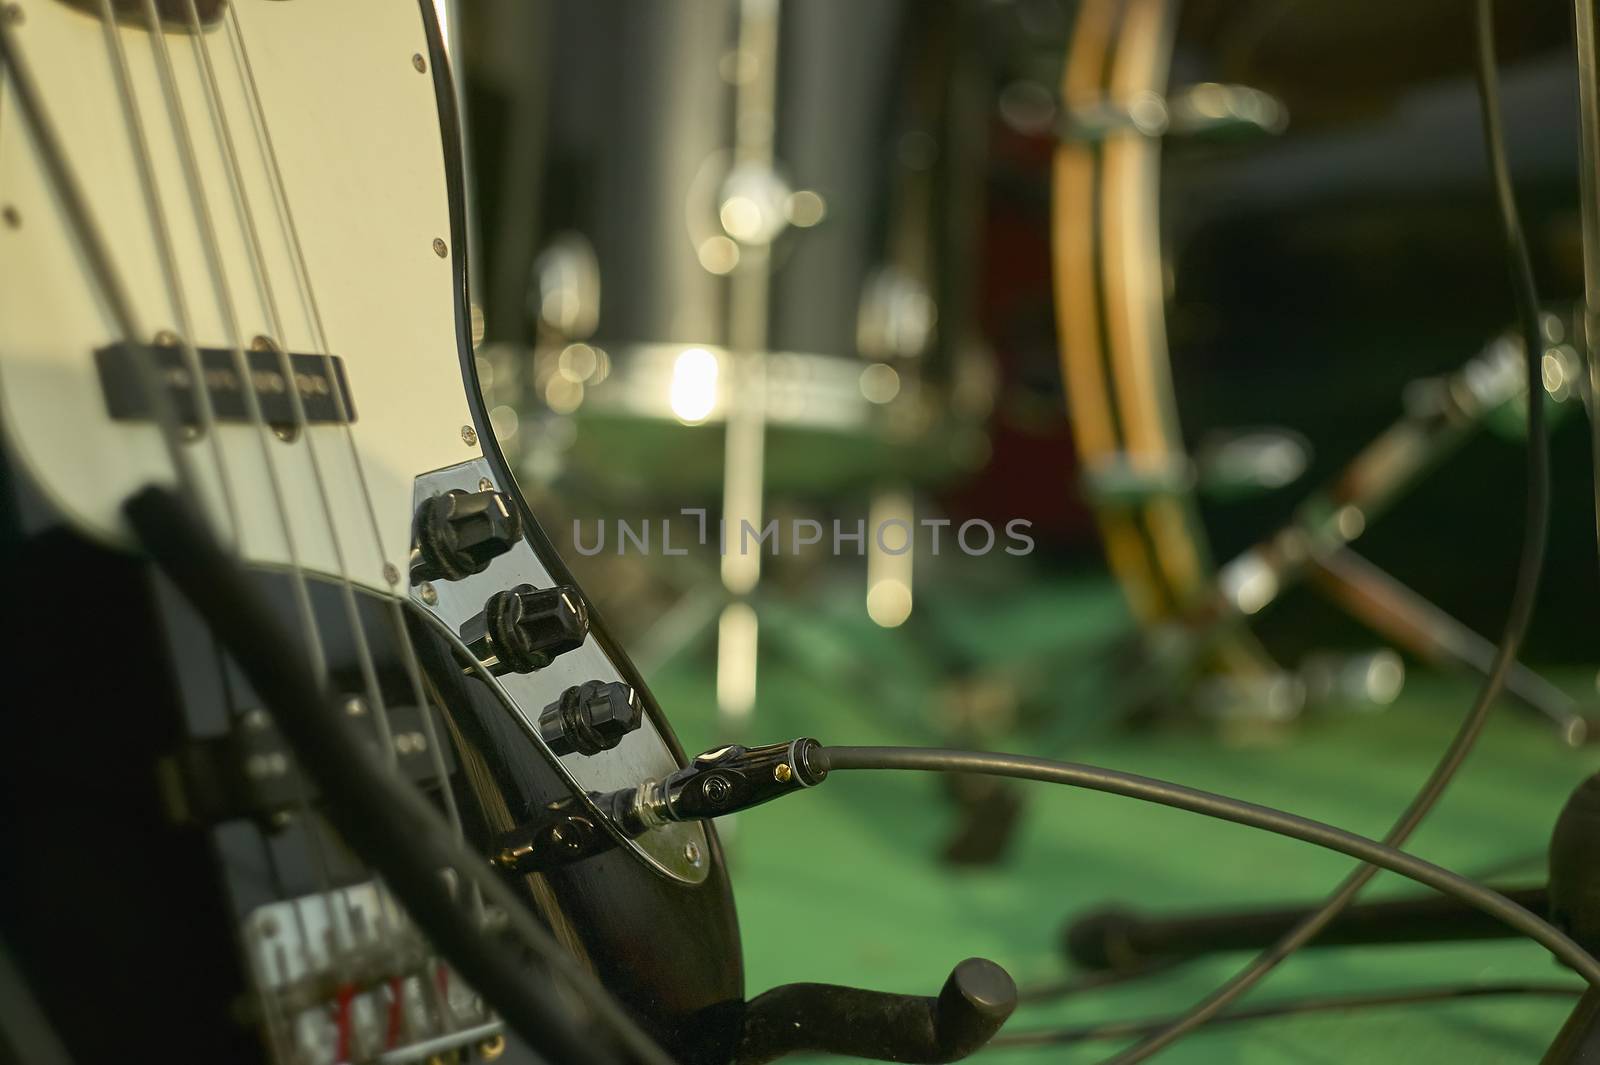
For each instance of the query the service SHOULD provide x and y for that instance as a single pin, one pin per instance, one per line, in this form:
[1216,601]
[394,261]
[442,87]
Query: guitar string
[341,407]
[308,294]
[246,215]
[286,218]
[333,904]
[169,264]
[206,414]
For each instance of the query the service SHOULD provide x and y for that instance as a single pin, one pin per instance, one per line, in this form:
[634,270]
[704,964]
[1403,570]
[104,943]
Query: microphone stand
[1123,940]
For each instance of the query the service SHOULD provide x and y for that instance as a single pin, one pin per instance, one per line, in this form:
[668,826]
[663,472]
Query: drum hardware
[1145,487]
[1440,415]
[1118,939]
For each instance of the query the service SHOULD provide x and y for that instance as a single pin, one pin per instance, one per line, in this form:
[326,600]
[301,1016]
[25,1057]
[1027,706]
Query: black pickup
[249,772]
[316,376]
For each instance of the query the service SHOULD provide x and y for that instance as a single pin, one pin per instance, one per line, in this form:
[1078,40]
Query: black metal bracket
[974,1002]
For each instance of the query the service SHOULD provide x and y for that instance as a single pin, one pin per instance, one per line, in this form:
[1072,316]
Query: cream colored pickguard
[355,129]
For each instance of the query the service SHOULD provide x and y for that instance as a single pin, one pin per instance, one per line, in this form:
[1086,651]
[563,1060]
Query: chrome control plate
[678,850]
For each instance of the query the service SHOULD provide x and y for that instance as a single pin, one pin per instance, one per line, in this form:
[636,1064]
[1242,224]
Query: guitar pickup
[249,772]
[320,380]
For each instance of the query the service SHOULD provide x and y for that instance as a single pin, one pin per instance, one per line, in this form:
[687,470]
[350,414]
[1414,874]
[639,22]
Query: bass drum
[738,206]
[1258,319]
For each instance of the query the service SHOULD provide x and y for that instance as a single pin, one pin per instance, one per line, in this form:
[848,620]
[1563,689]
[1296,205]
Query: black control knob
[524,629]
[591,717]
[459,533]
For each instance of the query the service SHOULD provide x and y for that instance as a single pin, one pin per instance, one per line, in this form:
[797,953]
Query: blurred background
[1178,335]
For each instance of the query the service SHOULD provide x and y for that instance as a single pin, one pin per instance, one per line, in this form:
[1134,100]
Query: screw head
[782,773]
[440,248]
[469,436]
[485,485]
[12,217]
[391,573]
[420,63]
[429,593]
[691,854]
[13,14]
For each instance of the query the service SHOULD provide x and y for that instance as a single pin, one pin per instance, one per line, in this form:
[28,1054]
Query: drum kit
[748,278]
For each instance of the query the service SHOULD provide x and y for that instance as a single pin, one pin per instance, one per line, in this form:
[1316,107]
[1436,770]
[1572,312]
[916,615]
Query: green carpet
[845,884]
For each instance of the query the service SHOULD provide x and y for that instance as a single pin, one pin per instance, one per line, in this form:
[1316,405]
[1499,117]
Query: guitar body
[280,187]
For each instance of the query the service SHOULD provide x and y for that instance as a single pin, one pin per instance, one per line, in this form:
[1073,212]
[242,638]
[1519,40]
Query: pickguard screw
[484,484]
[469,436]
[691,853]
[391,573]
[420,63]
[428,593]
[14,14]
[13,219]
[440,248]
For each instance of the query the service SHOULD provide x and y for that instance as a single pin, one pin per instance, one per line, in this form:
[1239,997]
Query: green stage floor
[845,885]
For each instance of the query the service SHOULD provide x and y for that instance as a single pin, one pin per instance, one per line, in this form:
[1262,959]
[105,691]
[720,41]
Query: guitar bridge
[342,976]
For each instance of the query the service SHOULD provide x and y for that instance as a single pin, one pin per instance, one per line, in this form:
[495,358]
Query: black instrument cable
[1289,1008]
[1536,521]
[1267,818]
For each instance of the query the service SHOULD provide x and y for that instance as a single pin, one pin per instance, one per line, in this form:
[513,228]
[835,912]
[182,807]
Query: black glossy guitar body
[125,920]
[145,878]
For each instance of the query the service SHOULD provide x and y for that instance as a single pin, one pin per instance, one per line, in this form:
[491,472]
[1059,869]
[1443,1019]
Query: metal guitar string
[208,426]
[1051,1037]
[1224,808]
[206,415]
[248,391]
[281,347]
[1518,615]
[308,294]
[307,291]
